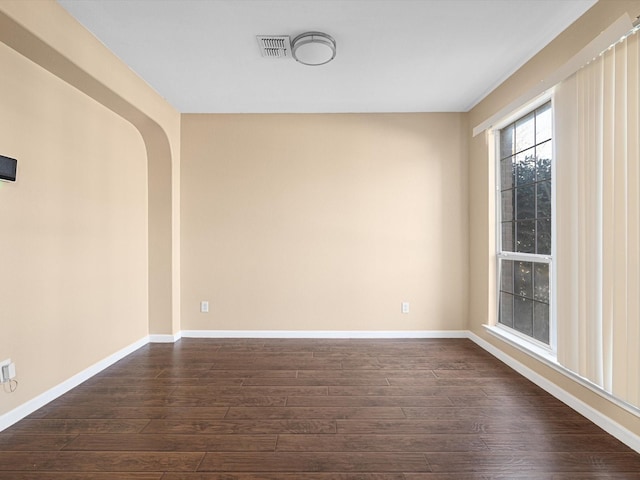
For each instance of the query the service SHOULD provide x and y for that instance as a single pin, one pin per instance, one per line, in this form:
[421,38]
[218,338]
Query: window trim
[497,328]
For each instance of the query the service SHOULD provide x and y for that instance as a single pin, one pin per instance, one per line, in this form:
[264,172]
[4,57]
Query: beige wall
[42,31]
[324,222]
[74,230]
[96,268]
[482,309]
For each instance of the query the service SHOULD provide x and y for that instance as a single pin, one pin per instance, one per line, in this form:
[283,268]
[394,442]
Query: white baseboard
[165,338]
[607,424]
[41,400]
[371,334]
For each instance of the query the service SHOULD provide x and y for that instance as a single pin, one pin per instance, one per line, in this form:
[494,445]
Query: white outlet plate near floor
[7,370]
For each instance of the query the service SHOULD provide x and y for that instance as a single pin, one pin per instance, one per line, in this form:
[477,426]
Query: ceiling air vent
[274,46]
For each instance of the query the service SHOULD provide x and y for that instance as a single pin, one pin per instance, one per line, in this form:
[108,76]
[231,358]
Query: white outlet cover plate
[8,372]
[8,367]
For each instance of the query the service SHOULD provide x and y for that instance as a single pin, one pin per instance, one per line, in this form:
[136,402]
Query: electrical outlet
[7,371]
[204,306]
[405,307]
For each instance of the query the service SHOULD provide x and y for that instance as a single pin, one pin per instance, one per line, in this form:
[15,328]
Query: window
[525,157]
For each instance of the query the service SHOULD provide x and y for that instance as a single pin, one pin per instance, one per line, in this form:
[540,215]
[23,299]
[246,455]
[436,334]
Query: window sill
[521,344]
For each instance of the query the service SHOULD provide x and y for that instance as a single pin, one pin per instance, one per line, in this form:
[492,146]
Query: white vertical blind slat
[608,166]
[619,256]
[568,176]
[632,344]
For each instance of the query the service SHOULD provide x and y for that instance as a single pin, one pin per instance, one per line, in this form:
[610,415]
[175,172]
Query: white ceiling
[392,55]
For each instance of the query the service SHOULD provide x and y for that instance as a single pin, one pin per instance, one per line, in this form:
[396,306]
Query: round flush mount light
[313,48]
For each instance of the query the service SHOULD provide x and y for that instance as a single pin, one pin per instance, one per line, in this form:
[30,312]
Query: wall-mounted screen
[8,168]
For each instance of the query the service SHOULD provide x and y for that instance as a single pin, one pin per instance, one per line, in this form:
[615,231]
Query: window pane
[523,315]
[543,161]
[526,236]
[507,173]
[525,132]
[526,155]
[507,236]
[526,167]
[523,279]
[543,123]
[543,197]
[541,322]
[507,205]
[506,141]
[506,271]
[526,202]
[543,237]
[506,309]
[541,282]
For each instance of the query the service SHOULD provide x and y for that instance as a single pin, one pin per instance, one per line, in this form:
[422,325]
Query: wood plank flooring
[255,409]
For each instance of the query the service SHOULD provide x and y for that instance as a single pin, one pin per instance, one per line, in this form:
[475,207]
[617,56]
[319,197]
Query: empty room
[319,239]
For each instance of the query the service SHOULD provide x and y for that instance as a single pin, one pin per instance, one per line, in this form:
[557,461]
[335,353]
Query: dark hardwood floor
[314,410]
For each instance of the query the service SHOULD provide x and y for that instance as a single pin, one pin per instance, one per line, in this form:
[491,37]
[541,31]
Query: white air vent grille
[274,46]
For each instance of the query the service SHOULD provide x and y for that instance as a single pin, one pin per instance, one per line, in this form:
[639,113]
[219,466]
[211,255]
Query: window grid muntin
[543,172]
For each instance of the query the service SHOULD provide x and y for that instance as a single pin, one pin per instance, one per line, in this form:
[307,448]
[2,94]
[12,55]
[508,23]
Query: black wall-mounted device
[8,168]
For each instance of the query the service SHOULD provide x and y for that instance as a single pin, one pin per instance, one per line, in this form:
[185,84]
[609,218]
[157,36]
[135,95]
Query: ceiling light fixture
[313,48]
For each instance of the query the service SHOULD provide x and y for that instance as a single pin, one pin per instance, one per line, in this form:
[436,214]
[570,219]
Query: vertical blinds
[597,116]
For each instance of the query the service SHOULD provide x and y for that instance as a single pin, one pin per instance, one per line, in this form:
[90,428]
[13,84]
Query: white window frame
[511,334]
